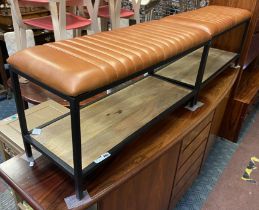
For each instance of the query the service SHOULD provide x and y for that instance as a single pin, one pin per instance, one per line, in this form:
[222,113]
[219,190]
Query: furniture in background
[6,26]
[147,7]
[169,7]
[247,85]
[40,38]
[11,47]
[59,21]
[113,12]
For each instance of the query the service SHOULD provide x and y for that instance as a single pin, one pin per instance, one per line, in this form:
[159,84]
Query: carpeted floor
[231,191]
[7,108]
[213,168]
[195,197]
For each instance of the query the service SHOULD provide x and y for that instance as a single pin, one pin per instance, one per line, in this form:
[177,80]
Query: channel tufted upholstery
[212,19]
[86,63]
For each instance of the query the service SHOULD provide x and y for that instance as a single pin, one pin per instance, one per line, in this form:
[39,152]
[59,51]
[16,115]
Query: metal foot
[31,161]
[234,66]
[194,107]
[72,201]
[132,22]
[108,91]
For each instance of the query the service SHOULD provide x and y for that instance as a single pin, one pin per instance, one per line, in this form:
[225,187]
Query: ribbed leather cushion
[83,64]
[212,19]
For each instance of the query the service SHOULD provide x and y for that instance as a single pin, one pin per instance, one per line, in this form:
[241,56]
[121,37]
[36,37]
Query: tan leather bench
[212,19]
[83,64]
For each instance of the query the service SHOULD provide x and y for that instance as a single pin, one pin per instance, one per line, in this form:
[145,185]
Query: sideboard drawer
[186,182]
[193,145]
[195,132]
[194,169]
[191,161]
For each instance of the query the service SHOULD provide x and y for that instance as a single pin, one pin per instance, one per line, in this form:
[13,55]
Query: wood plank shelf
[181,72]
[108,122]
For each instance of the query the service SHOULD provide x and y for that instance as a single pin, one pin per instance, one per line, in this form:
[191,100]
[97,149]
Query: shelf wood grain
[110,121]
[185,70]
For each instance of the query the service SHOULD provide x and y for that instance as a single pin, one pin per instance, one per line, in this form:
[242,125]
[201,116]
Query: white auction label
[102,157]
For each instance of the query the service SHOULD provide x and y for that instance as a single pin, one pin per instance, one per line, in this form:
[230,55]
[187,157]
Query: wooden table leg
[92,9]
[113,10]
[104,24]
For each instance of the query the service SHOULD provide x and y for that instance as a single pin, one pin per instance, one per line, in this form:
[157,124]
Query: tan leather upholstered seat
[83,64]
[212,19]
[86,63]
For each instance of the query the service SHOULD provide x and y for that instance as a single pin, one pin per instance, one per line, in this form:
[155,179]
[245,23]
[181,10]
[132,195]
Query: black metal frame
[199,79]
[77,172]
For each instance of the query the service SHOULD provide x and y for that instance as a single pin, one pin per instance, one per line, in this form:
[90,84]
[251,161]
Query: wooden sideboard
[152,172]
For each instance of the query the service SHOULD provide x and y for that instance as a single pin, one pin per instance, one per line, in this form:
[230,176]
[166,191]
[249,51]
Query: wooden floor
[109,121]
[186,69]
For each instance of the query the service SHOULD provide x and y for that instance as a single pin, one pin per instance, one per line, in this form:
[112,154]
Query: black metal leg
[20,112]
[200,74]
[25,105]
[76,142]
[132,22]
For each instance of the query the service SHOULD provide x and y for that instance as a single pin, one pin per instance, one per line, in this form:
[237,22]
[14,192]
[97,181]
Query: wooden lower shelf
[108,122]
[185,70]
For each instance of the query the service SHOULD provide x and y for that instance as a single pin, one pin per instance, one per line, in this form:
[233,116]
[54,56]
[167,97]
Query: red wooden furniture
[114,12]
[59,21]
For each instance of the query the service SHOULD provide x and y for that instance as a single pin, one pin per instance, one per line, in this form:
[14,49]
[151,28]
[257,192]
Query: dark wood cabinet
[247,85]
